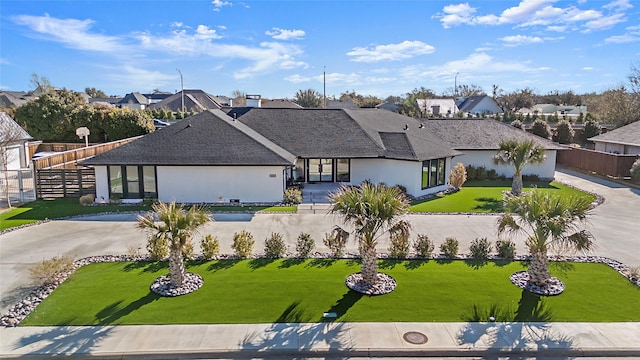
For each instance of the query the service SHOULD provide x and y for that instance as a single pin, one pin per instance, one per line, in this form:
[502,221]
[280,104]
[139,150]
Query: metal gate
[53,183]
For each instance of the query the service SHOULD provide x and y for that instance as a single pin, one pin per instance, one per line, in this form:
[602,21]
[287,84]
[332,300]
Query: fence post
[64,182]
[79,175]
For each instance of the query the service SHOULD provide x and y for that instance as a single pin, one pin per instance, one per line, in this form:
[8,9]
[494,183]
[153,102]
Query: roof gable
[10,130]
[208,138]
[626,135]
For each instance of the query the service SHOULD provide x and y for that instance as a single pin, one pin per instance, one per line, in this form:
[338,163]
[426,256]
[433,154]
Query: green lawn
[484,197]
[289,290]
[57,208]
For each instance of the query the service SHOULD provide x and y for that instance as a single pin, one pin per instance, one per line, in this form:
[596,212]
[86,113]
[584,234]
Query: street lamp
[181,93]
[455,85]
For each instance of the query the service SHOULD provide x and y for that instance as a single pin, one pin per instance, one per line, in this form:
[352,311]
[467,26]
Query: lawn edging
[18,312]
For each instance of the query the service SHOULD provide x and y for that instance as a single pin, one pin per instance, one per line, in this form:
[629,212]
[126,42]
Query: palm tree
[373,210]
[546,220]
[175,226]
[519,155]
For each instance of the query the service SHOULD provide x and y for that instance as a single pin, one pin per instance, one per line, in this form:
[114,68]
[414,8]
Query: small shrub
[458,176]
[541,128]
[450,247]
[635,170]
[158,248]
[292,196]
[471,172]
[336,241]
[506,249]
[49,271]
[210,246]
[133,250]
[399,247]
[480,248]
[481,173]
[423,246]
[187,250]
[274,246]
[243,244]
[87,199]
[304,245]
[492,174]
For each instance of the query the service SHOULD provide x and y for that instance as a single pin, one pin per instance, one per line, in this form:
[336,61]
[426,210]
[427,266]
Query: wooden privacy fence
[601,163]
[68,159]
[53,183]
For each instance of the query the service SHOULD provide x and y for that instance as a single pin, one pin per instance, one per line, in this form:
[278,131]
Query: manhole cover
[414,337]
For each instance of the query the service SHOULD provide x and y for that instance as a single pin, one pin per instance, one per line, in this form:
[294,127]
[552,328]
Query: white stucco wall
[102,184]
[616,148]
[194,184]
[395,172]
[477,158]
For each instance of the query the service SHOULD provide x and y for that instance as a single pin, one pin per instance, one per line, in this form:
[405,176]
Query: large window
[132,182]
[433,173]
[343,173]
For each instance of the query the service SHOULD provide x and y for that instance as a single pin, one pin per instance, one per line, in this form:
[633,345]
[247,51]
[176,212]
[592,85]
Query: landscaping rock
[384,285]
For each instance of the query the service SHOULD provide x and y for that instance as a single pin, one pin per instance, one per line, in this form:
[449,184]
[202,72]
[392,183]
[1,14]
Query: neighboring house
[561,111]
[14,99]
[478,105]
[13,140]
[212,157]
[107,102]
[389,106]
[279,104]
[340,104]
[623,140]
[157,96]
[194,100]
[479,140]
[134,100]
[437,107]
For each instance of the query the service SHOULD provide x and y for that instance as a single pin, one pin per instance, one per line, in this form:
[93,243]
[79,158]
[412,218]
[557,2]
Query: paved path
[616,225]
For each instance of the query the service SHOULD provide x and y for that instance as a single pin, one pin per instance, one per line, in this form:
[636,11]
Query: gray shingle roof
[481,134]
[626,135]
[196,100]
[208,138]
[11,131]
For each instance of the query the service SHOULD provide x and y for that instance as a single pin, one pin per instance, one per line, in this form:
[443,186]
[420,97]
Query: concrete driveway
[615,224]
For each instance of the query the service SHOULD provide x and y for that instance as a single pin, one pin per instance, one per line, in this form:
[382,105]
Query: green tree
[546,220]
[95,93]
[565,132]
[517,100]
[175,225]
[373,210]
[519,155]
[308,98]
[122,123]
[591,128]
[53,116]
[410,106]
[541,128]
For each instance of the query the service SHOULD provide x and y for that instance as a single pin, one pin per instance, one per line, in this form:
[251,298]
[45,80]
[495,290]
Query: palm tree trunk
[369,265]
[538,268]
[516,184]
[176,267]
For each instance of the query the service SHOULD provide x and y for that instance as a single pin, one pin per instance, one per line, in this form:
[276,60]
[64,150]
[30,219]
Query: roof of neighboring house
[207,138]
[625,135]
[158,95]
[194,100]
[133,98]
[469,103]
[279,103]
[10,131]
[345,133]
[481,134]
[10,99]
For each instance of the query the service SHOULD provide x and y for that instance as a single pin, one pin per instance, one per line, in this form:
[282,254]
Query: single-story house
[437,107]
[134,100]
[13,140]
[253,155]
[478,105]
[479,140]
[623,140]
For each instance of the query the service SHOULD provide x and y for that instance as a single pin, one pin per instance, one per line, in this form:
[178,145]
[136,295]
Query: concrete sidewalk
[325,340]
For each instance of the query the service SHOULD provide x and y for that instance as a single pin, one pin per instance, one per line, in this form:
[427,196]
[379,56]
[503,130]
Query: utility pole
[324,85]
[455,85]
[181,93]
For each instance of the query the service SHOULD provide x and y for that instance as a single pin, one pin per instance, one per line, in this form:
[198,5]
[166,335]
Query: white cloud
[622,39]
[218,4]
[588,68]
[516,40]
[390,52]
[205,33]
[4,61]
[139,78]
[283,34]
[297,78]
[73,33]
[529,13]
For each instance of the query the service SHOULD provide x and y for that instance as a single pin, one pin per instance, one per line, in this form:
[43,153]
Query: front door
[320,170]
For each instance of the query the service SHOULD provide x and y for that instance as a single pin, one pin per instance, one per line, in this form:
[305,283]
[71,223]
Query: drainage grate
[414,337]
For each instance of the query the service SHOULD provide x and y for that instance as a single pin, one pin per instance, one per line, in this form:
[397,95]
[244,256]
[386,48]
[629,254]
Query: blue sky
[275,48]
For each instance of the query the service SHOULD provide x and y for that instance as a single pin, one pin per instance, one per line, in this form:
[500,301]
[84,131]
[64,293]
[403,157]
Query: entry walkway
[332,340]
